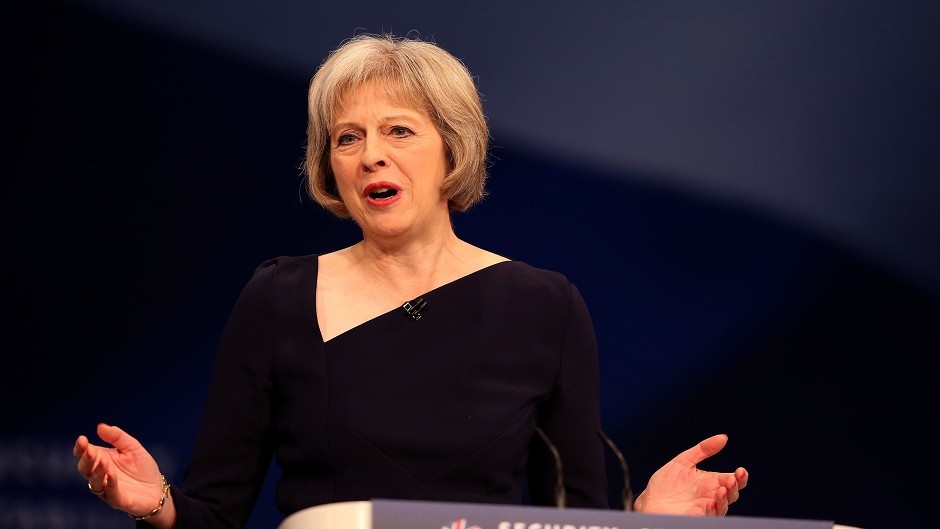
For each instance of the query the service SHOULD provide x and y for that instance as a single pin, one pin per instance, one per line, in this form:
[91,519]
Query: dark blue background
[150,173]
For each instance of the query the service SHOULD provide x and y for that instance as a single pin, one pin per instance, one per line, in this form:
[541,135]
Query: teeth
[382,192]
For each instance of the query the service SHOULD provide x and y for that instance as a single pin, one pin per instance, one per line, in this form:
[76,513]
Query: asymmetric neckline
[475,275]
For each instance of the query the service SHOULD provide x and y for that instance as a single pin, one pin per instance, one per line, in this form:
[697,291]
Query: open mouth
[381,192]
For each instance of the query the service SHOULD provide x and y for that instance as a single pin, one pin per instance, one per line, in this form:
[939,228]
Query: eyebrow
[384,120]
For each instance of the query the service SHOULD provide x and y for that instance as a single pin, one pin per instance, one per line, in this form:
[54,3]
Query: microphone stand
[560,498]
[626,494]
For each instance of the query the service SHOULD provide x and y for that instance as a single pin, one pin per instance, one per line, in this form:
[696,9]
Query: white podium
[401,514]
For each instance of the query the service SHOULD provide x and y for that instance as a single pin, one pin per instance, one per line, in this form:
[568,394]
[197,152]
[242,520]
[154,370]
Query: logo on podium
[460,524]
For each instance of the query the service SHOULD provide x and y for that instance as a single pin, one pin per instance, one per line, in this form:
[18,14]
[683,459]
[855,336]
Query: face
[389,165]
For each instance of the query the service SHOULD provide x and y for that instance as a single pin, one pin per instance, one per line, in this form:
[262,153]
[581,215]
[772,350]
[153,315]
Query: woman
[411,364]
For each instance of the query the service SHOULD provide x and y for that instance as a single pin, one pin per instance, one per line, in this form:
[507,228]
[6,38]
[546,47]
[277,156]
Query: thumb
[704,449]
[117,437]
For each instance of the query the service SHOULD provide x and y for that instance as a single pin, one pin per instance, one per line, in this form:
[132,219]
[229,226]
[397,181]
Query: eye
[400,131]
[345,139]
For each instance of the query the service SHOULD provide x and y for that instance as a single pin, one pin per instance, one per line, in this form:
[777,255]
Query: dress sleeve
[233,448]
[570,418]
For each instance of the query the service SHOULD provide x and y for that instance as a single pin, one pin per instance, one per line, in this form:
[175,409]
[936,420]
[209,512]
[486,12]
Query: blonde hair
[419,74]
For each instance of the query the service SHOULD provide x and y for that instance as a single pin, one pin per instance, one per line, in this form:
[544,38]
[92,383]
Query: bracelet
[166,490]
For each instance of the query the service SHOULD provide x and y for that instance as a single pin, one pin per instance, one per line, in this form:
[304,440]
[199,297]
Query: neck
[414,266]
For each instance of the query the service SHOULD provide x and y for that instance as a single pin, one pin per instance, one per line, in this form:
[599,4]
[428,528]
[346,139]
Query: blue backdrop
[155,164]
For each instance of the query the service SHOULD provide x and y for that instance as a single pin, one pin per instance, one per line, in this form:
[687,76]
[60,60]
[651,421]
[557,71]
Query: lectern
[401,514]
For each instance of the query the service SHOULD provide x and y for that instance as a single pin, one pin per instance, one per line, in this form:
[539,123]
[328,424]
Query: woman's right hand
[125,475]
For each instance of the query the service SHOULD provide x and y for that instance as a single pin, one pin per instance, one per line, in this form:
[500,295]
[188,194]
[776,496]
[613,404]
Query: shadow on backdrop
[150,178]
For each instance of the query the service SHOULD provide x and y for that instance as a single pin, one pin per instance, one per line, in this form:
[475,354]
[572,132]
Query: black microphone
[559,477]
[414,307]
[626,495]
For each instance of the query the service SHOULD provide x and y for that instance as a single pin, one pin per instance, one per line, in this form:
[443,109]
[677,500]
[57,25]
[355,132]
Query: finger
[730,482]
[87,461]
[80,451]
[97,474]
[741,475]
[703,450]
[711,508]
[98,486]
[731,485]
[721,504]
[81,444]
[117,437]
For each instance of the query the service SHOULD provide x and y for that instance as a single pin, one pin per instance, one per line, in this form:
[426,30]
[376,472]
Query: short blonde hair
[419,74]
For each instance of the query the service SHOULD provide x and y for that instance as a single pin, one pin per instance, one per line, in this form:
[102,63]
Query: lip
[381,202]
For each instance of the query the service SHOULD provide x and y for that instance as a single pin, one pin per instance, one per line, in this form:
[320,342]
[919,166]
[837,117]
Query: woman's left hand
[679,487]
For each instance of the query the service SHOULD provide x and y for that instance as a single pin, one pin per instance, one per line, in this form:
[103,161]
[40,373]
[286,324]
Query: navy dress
[444,408]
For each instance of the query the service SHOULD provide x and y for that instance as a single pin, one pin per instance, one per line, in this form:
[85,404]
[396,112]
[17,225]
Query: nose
[373,154]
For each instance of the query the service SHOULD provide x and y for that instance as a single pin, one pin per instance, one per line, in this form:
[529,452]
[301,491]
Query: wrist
[163,497]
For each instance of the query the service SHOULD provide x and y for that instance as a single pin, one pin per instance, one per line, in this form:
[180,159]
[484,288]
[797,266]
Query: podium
[403,514]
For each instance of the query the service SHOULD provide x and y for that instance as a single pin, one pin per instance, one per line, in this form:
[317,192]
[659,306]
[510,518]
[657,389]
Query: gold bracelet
[166,490]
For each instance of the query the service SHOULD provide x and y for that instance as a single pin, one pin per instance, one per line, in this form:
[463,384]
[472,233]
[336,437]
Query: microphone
[626,495]
[414,307]
[559,477]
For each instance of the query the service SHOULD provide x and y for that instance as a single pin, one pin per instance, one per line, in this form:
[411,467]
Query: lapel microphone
[414,307]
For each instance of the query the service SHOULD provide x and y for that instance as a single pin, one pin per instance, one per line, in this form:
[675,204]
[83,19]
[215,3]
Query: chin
[386,229]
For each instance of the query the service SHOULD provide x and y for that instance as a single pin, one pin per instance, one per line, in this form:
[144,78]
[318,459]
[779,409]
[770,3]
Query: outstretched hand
[126,476]
[679,487]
